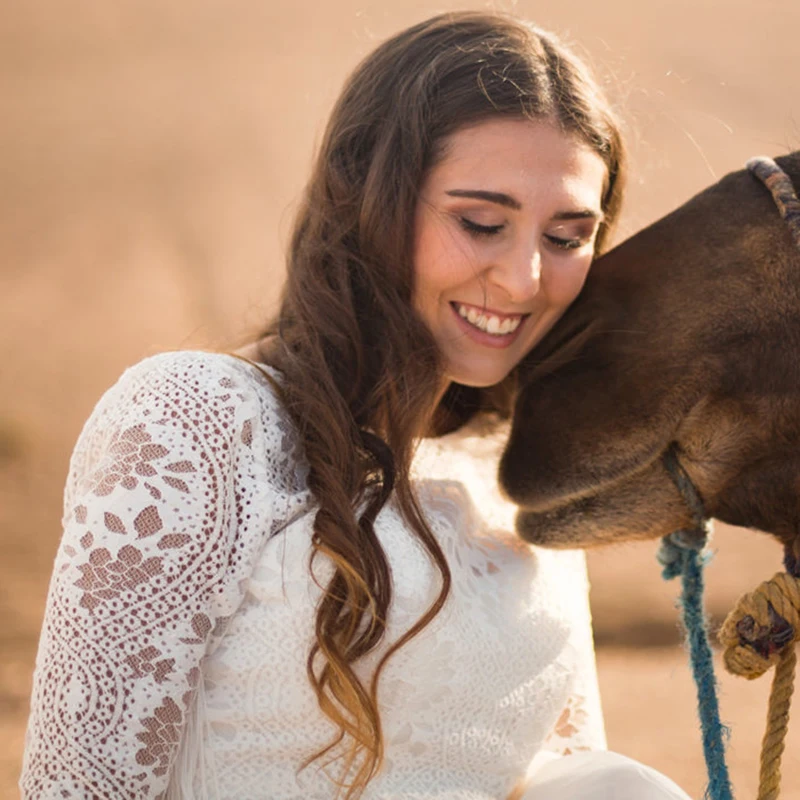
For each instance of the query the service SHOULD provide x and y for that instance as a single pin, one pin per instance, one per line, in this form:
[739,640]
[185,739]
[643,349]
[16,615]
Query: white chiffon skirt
[596,775]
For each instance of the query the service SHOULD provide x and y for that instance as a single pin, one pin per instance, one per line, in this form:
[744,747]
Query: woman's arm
[164,514]
[580,724]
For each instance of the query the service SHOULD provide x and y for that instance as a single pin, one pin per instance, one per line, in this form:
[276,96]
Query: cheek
[427,280]
[424,265]
[564,283]
[441,261]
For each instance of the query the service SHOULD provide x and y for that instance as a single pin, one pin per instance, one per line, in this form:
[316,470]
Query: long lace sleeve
[580,725]
[169,499]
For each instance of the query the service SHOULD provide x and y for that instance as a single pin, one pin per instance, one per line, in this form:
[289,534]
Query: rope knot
[678,545]
[761,626]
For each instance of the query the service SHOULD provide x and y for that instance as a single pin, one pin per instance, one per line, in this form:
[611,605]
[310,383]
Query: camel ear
[584,426]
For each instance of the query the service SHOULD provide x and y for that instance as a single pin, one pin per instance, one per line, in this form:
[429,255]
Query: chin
[477,381]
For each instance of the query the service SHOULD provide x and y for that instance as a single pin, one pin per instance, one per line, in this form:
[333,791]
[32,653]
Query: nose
[518,273]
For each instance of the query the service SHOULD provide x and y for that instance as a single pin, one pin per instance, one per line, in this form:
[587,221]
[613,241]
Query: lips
[480,335]
[491,322]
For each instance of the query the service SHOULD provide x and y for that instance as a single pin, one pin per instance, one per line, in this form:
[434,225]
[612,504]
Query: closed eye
[566,244]
[479,230]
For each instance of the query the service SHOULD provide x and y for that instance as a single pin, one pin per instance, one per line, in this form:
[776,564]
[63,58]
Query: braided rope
[780,186]
[762,629]
[683,553]
[758,634]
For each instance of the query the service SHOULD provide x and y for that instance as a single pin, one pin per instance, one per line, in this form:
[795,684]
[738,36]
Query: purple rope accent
[780,186]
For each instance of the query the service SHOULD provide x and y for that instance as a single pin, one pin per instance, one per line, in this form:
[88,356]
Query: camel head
[686,334]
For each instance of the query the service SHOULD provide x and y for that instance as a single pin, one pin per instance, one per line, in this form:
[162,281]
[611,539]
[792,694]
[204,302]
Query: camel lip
[552,504]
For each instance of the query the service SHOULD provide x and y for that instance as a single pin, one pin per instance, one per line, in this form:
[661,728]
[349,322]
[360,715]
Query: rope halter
[763,628]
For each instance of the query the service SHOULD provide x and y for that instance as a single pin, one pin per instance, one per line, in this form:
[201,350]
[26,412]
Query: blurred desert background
[151,156]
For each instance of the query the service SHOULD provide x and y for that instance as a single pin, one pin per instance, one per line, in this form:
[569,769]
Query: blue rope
[682,554]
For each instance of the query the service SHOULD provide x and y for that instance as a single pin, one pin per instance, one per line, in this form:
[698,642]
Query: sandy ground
[151,154]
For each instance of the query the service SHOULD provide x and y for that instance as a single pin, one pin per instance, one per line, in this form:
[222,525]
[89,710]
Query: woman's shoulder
[202,371]
[197,384]
[184,417]
[213,401]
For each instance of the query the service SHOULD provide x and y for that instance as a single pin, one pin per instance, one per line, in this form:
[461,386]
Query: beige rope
[758,634]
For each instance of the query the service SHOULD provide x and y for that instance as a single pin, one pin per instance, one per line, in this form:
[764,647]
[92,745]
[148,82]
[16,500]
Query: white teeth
[488,322]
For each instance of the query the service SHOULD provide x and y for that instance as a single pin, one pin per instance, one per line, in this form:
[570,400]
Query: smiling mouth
[492,324]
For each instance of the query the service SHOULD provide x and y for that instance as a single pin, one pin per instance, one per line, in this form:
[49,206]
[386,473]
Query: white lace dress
[172,660]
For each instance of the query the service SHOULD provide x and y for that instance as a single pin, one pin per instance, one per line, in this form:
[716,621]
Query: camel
[687,335]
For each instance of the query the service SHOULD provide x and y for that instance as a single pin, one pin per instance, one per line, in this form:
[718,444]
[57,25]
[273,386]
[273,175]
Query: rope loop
[761,626]
[760,633]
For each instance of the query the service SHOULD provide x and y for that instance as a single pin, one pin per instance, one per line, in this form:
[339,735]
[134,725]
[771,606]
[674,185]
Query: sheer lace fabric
[172,660]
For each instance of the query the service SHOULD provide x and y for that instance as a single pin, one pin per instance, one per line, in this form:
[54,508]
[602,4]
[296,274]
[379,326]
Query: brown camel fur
[687,333]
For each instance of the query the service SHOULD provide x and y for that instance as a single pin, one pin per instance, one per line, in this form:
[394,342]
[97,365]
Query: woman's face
[503,239]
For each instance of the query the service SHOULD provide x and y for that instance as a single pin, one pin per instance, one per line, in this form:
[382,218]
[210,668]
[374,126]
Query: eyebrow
[500,198]
[506,200]
[583,213]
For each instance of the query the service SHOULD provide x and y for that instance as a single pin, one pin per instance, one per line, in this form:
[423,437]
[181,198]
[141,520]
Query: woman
[289,573]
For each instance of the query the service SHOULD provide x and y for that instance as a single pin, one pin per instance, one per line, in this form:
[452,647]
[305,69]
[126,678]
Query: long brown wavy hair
[360,368]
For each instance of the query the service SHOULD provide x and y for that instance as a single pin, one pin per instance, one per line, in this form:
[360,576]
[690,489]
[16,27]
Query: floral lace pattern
[570,723]
[159,540]
[181,610]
